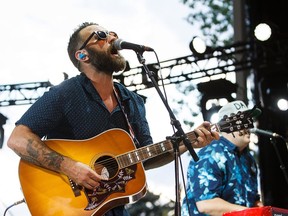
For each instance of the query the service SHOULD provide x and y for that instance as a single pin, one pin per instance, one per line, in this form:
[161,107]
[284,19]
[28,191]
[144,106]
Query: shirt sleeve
[44,114]
[205,178]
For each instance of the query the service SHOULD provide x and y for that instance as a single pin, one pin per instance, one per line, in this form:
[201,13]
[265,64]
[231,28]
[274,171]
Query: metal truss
[235,58]
[22,93]
[216,61]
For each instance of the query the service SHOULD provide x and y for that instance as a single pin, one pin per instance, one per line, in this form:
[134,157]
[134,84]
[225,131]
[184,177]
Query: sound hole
[106,166]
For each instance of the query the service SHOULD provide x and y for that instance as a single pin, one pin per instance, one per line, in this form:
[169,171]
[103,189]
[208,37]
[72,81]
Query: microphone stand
[180,135]
[282,165]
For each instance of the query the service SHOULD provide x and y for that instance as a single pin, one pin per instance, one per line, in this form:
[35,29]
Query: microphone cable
[14,204]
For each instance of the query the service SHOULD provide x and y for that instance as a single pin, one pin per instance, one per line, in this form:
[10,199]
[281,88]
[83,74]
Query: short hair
[75,42]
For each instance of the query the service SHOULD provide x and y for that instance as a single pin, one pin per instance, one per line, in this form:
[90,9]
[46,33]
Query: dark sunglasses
[100,35]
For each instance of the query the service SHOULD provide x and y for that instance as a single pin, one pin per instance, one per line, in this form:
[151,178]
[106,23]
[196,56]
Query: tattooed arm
[31,148]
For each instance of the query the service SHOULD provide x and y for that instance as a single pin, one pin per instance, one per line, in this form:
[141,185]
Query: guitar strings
[153,150]
[133,157]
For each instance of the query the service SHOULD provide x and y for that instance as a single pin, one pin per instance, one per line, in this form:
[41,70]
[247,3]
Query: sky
[34,37]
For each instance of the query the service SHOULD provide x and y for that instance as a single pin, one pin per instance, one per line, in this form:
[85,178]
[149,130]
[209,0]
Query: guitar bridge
[75,188]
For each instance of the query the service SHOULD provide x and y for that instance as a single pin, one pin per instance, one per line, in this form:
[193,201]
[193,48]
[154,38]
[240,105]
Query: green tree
[150,205]
[215,18]
[187,106]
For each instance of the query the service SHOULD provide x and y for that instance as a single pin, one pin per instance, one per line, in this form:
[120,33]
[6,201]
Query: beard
[105,62]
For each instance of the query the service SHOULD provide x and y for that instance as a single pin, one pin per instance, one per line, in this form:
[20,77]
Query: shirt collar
[231,147]
[88,86]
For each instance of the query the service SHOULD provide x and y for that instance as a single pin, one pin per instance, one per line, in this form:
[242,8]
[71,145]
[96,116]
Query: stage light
[197,45]
[215,94]
[282,104]
[273,92]
[262,32]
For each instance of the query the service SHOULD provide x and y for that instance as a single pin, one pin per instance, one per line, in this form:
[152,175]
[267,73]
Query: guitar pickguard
[106,188]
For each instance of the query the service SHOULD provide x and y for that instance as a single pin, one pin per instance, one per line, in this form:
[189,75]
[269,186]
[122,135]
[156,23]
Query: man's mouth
[113,50]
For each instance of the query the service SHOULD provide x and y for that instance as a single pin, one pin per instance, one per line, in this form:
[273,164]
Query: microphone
[120,44]
[264,132]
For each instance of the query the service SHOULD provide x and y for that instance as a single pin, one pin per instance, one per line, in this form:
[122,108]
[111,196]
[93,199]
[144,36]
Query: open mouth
[113,50]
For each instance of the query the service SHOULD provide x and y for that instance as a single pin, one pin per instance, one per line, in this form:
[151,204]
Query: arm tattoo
[54,160]
[29,159]
[50,160]
[33,153]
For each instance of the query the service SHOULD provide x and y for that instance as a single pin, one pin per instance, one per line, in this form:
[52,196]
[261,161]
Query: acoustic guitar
[113,155]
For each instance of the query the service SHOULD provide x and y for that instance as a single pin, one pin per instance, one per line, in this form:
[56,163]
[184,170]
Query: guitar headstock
[237,122]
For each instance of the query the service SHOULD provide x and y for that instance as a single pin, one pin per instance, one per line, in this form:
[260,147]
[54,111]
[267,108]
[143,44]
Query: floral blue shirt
[223,172]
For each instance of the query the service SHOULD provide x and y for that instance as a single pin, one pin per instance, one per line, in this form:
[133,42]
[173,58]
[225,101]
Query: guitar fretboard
[229,125]
[148,152]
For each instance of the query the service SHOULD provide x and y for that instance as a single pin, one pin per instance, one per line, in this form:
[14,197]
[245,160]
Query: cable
[14,204]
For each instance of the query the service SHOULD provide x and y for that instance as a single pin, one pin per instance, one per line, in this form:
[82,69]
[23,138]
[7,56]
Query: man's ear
[81,55]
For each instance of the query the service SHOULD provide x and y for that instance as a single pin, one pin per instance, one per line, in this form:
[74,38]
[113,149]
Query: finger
[215,135]
[206,125]
[200,141]
[197,144]
[95,176]
[94,179]
[90,184]
[206,134]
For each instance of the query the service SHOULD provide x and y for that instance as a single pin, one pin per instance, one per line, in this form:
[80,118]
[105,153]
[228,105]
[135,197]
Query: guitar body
[49,193]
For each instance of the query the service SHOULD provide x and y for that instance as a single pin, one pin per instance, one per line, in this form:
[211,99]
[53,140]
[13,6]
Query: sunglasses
[100,35]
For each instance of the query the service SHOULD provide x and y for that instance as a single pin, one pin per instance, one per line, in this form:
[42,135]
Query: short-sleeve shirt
[221,171]
[74,110]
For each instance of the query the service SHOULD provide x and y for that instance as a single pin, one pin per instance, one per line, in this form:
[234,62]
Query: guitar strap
[121,105]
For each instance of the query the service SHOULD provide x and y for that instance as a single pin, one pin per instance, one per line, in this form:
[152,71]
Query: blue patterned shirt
[223,172]
[74,110]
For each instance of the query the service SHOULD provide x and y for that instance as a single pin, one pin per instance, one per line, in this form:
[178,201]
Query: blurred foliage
[215,21]
[215,18]
[187,106]
[150,205]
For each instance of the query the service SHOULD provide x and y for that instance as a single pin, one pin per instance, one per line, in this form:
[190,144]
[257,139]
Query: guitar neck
[150,151]
[153,150]
[228,125]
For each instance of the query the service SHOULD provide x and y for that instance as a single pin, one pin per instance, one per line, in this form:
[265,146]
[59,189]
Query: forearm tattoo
[49,159]
[54,160]
[33,153]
